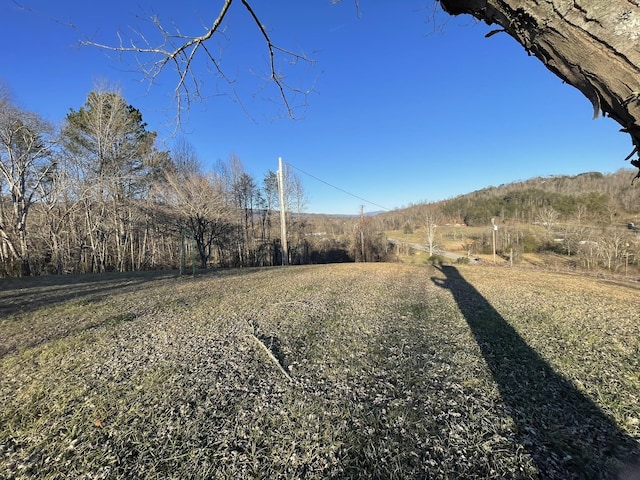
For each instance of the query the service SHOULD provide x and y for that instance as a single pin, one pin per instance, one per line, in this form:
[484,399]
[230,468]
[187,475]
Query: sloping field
[341,371]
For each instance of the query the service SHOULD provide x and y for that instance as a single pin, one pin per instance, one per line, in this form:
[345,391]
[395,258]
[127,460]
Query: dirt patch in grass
[339,371]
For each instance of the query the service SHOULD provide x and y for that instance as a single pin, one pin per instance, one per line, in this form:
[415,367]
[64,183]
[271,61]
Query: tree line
[98,194]
[591,198]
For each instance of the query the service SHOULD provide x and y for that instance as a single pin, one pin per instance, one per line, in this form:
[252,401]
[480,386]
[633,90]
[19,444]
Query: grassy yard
[340,371]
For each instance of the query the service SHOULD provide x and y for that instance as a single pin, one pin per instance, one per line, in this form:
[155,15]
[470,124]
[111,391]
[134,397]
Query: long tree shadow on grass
[22,295]
[565,432]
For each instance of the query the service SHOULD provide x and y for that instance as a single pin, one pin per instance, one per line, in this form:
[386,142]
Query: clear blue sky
[403,109]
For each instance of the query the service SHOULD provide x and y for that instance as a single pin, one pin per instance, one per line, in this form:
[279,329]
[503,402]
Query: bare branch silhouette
[180,51]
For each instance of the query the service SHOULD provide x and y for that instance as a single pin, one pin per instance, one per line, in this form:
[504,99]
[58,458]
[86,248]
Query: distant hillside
[591,196]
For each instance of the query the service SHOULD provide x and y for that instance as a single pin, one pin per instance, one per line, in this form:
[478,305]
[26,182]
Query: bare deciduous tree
[202,209]
[25,160]
[611,247]
[270,200]
[547,216]
[431,219]
[185,159]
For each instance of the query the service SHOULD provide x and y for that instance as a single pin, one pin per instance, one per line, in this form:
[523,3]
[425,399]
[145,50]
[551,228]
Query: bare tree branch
[356,2]
[181,51]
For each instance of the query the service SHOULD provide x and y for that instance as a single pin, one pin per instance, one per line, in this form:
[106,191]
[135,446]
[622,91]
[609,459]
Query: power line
[337,188]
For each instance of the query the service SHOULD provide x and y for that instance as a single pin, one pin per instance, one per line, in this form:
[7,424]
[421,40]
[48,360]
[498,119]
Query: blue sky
[403,108]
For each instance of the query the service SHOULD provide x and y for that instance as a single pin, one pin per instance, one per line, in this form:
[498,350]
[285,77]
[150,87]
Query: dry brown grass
[395,372]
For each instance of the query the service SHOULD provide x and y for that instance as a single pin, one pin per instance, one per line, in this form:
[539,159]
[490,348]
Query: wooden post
[182,252]
[283,219]
[193,247]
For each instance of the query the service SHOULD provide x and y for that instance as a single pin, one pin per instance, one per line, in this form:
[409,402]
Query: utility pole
[283,218]
[362,232]
[495,230]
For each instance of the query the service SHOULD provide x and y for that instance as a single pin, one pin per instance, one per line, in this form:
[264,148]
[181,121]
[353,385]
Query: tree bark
[590,44]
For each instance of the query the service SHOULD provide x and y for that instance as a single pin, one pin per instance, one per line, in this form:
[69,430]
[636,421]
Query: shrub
[438,260]
[530,244]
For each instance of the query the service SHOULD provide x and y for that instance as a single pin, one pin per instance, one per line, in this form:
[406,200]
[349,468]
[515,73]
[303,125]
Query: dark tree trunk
[592,45]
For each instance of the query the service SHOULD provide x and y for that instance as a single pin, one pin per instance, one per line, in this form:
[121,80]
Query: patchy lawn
[338,371]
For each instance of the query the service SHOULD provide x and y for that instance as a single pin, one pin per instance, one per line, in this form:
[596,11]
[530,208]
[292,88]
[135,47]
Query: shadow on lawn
[565,432]
[26,294]
[33,293]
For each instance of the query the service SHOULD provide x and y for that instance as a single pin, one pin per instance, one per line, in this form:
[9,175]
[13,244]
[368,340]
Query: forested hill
[592,196]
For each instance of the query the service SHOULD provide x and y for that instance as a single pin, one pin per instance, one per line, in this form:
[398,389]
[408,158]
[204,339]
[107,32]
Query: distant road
[436,251]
